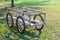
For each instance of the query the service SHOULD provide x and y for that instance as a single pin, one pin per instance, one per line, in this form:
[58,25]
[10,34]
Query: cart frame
[24,11]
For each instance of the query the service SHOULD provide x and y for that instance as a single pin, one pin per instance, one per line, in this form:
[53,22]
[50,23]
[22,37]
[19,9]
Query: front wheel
[40,19]
[20,24]
[9,19]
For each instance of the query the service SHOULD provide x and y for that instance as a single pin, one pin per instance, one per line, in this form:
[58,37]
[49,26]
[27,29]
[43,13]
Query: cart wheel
[9,20]
[40,18]
[20,24]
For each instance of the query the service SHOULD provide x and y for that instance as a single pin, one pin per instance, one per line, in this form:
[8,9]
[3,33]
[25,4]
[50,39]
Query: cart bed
[32,22]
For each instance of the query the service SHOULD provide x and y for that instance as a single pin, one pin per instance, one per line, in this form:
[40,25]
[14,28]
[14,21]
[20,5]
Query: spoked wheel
[9,20]
[20,24]
[40,19]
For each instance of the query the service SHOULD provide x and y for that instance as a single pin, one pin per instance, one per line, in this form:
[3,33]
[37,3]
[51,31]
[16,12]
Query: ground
[51,30]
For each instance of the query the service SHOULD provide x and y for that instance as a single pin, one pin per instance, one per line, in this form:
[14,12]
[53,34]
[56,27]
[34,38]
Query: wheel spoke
[20,29]
[9,21]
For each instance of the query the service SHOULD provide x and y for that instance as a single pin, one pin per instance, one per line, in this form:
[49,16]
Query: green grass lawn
[51,30]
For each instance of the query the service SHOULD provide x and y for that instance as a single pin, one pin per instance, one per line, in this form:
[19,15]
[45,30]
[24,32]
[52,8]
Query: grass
[51,30]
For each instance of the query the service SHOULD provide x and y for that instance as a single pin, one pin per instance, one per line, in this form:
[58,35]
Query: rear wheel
[9,20]
[20,24]
[40,19]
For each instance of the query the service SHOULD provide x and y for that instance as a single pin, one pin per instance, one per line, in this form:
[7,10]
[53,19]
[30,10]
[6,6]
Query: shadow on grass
[13,34]
[2,11]
[3,20]
[28,35]
[2,14]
